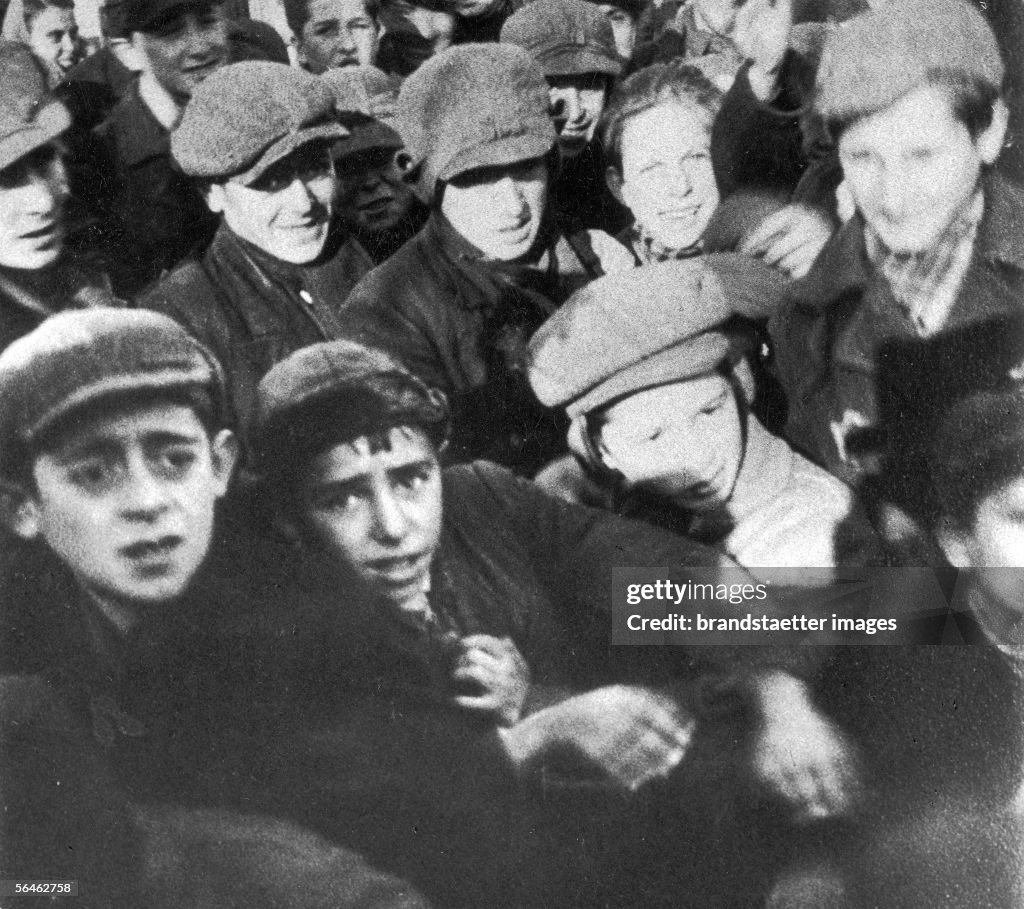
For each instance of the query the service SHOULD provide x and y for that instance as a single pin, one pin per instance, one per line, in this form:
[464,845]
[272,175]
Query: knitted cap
[29,118]
[472,106]
[75,359]
[566,37]
[248,116]
[646,327]
[874,59]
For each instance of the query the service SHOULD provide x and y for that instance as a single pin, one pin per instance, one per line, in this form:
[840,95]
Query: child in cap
[374,199]
[650,366]
[38,276]
[458,302]
[573,43]
[280,267]
[911,93]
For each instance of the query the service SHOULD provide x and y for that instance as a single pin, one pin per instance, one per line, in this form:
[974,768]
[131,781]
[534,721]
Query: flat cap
[141,15]
[248,116]
[29,117]
[646,327]
[566,37]
[369,388]
[76,359]
[874,59]
[366,103]
[471,106]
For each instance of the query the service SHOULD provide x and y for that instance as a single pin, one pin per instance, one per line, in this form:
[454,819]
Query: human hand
[790,239]
[761,33]
[498,674]
[802,757]
[631,734]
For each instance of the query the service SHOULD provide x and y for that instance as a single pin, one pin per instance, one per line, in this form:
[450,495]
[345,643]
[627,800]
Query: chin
[31,259]
[301,253]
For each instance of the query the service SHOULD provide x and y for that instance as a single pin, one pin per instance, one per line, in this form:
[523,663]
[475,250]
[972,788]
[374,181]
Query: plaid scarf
[648,251]
[925,285]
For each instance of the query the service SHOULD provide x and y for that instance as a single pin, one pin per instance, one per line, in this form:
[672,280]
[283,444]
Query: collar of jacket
[439,234]
[843,265]
[138,134]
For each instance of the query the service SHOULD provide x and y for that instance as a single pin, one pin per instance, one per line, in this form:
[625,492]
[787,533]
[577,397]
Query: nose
[571,104]
[145,496]
[67,44]
[508,198]
[345,40]
[683,183]
[44,190]
[299,194]
[390,522]
[891,190]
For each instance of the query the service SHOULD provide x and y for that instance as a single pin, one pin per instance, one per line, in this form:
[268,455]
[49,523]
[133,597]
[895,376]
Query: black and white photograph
[512,454]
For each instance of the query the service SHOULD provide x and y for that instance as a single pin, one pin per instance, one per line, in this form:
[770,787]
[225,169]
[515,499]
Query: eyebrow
[93,447]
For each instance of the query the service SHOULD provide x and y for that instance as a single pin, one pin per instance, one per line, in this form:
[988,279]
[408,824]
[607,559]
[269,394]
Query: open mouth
[48,232]
[400,569]
[150,552]
[377,206]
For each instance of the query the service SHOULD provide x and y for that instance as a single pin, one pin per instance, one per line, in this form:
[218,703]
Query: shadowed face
[33,191]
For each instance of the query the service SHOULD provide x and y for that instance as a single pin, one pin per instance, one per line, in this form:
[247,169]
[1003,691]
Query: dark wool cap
[248,116]
[366,103]
[874,59]
[77,359]
[566,37]
[472,106]
[646,327]
[142,15]
[333,392]
[29,118]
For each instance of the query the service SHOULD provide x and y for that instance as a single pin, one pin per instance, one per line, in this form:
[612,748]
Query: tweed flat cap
[29,118]
[248,116]
[366,103]
[874,59]
[78,358]
[646,327]
[474,105]
[368,386]
[566,37]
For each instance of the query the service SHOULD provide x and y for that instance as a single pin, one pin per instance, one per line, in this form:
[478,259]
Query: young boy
[333,34]
[113,458]
[650,366]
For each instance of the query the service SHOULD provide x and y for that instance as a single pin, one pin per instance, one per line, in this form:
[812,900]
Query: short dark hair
[296,14]
[978,450]
[973,101]
[652,86]
[32,8]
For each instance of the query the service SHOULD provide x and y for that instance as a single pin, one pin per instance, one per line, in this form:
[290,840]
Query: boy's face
[33,191]
[188,44]
[372,194]
[287,211]
[499,209]
[126,500]
[376,512]
[338,33]
[995,541]
[576,104]
[913,167]
[683,441]
[667,181]
[53,38]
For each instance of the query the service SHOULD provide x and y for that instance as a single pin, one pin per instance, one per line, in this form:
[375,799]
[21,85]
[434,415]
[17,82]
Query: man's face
[373,197]
[576,104]
[996,542]
[184,47]
[623,28]
[912,168]
[287,211]
[33,191]
[376,511]
[499,209]
[667,181]
[683,441]
[418,32]
[127,501]
[338,33]
[53,38]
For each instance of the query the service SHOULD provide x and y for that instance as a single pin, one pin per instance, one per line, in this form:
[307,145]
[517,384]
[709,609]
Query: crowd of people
[339,376]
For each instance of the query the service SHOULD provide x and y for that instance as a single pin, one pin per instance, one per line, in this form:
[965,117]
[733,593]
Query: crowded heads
[258,136]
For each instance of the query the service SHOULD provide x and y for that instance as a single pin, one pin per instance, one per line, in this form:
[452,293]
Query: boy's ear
[953,540]
[224,453]
[613,178]
[19,512]
[990,141]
